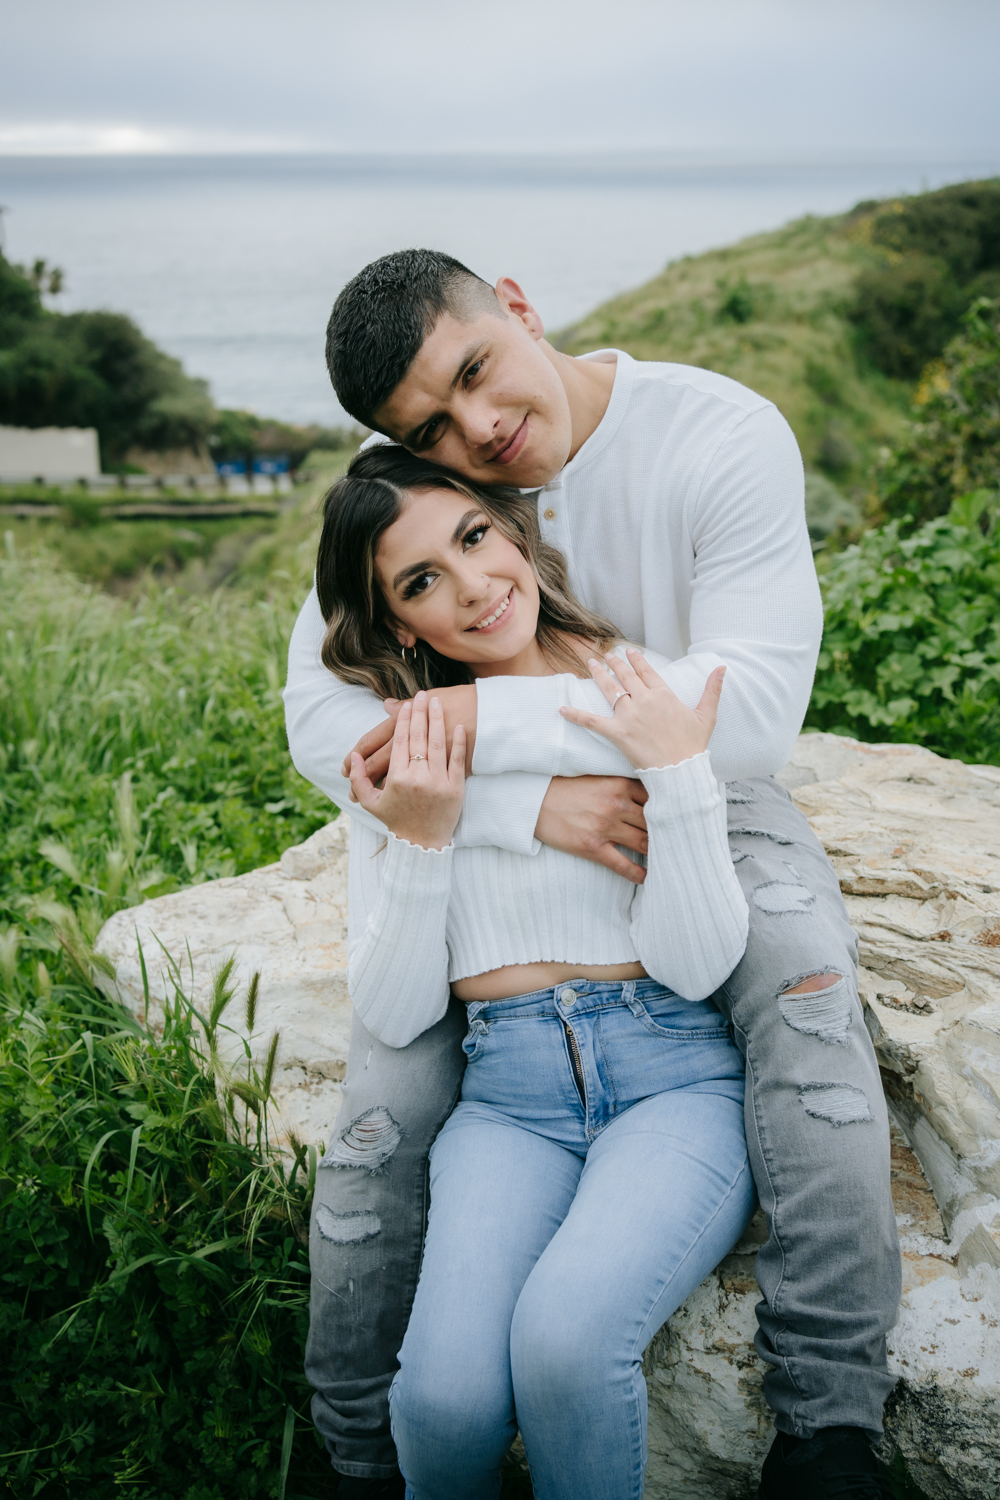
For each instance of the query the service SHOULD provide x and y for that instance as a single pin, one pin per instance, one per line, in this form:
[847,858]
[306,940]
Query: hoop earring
[403,655]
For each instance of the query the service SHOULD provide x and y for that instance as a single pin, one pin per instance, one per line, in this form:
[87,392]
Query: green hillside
[831,318]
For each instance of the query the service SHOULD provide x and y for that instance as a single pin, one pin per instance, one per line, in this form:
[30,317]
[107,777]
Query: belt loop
[628,991]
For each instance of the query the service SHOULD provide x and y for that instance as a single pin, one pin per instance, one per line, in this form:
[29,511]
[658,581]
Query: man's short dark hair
[382,317]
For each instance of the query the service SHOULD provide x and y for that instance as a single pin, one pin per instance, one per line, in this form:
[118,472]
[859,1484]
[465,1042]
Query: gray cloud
[764,75]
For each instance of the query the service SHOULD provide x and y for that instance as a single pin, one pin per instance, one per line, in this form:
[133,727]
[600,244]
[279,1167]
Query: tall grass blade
[133,1153]
[86,1176]
[286,1451]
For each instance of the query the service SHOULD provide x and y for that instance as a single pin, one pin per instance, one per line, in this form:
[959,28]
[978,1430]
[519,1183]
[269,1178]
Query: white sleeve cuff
[687,787]
[502,811]
[518,725]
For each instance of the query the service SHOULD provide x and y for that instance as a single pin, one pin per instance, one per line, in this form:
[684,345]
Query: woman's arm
[690,918]
[397,971]
[397,966]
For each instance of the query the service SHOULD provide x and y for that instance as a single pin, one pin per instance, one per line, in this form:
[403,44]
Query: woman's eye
[417,585]
[476,534]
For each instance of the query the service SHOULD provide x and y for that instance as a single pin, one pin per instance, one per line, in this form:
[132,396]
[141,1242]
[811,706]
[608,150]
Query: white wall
[53,452]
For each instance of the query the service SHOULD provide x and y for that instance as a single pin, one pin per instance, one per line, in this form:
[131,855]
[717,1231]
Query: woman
[595,1169]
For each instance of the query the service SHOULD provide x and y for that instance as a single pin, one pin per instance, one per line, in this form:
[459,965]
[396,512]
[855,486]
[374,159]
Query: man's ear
[517,304]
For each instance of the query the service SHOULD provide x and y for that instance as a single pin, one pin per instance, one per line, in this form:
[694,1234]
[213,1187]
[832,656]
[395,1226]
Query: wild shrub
[953,446]
[911,645]
[933,256]
[92,369]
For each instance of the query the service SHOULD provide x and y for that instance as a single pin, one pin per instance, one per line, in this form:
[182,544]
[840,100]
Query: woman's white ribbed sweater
[420,918]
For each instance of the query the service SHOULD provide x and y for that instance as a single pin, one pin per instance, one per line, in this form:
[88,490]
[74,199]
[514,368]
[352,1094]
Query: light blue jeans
[594,1172]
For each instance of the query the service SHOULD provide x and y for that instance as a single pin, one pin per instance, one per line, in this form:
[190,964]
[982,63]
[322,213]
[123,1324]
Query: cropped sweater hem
[432,917]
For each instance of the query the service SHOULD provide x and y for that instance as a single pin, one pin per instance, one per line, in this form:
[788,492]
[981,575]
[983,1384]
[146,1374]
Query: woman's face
[452,579]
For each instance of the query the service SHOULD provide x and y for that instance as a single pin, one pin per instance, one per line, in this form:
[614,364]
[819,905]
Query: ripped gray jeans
[817,1134]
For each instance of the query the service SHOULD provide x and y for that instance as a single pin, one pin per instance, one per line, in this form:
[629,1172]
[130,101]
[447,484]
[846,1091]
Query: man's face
[484,398]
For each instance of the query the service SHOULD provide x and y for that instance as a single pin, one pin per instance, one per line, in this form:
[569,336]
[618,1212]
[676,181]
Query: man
[676,496]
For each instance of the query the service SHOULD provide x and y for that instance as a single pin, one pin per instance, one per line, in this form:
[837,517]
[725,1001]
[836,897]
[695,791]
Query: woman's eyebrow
[413,569]
[464,524]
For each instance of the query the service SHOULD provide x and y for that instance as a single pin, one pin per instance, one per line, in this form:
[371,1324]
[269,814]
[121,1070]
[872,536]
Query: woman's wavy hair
[359,645]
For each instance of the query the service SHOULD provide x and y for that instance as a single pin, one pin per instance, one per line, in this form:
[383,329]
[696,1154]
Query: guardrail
[237,486]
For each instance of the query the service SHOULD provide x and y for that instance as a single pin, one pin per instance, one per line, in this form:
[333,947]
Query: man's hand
[588,815]
[460,706]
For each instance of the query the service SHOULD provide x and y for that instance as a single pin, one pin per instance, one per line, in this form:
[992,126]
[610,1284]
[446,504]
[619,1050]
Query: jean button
[568,998]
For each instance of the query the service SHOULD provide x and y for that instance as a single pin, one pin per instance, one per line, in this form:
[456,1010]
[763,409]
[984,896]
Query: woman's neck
[532,661]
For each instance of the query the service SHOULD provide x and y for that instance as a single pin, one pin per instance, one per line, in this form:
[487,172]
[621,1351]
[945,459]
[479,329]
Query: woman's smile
[498,615]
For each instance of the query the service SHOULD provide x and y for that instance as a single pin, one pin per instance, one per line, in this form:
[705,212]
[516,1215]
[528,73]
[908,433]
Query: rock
[916,843]
[288,922]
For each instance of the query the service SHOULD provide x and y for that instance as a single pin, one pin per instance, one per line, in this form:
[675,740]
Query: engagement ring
[417,757]
[622,694]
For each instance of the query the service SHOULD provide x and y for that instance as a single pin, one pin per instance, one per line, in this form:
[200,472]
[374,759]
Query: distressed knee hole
[808,984]
[368,1142]
[347,1229]
[777,896]
[838,1103]
[819,1006]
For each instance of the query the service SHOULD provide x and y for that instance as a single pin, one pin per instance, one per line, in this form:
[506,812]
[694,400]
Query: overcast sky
[780,77]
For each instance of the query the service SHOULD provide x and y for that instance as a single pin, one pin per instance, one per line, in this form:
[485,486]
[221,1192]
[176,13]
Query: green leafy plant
[953,447]
[911,647]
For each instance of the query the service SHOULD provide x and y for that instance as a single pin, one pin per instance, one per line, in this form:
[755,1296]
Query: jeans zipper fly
[575,1063]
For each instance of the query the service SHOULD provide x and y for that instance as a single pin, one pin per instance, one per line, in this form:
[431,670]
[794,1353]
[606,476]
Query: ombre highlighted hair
[360,645]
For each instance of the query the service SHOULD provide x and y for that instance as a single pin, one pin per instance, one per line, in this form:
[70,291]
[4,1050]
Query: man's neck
[588,384]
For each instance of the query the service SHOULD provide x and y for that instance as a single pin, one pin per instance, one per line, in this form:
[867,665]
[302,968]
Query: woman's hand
[650,724]
[421,799]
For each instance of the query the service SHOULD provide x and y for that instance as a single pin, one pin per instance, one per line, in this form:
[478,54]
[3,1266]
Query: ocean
[232,263]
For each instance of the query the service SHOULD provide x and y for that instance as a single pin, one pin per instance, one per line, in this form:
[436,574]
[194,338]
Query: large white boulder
[916,843]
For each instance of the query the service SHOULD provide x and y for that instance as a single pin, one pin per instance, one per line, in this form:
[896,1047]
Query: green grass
[153,1255]
[153,1262]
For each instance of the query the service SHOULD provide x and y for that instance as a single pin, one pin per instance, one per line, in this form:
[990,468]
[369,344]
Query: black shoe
[349,1487]
[837,1463]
